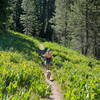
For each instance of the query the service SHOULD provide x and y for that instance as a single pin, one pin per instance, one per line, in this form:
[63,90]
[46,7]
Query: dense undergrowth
[78,75]
[21,74]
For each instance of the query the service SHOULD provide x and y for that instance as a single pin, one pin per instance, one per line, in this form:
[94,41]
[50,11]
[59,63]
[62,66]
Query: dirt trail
[55,89]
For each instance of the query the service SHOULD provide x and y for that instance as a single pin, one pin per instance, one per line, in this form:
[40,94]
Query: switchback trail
[55,89]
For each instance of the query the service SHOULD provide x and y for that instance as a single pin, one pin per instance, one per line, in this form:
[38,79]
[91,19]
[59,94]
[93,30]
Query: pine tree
[94,10]
[17,11]
[3,14]
[83,25]
[76,24]
[31,17]
[60,22]
[46,12]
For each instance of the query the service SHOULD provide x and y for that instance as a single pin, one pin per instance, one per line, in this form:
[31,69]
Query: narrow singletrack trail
[55,89]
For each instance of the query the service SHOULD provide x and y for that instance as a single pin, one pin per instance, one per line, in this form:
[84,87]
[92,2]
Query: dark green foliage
[3,14]
[78,75]
[13,42]
[35,17]
[17,11]
[20,68]
[59,21]
[31,17]
[22,76]
[83,26]
[72,23]
[47,8]
[76,25]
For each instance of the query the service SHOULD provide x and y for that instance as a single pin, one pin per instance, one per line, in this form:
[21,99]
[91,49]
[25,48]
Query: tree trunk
[87,32]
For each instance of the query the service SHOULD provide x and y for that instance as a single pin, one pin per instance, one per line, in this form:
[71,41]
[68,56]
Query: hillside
[22,74]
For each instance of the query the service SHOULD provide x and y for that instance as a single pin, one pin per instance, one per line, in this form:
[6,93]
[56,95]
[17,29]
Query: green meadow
[22,77]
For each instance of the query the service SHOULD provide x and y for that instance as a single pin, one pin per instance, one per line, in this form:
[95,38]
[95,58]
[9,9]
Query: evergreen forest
[70,29]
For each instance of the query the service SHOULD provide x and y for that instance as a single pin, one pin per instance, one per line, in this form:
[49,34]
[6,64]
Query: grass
[21,74]
[20,68]
[78,75]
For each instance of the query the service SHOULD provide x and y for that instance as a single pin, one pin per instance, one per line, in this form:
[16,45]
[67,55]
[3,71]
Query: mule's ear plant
[22,75]
[20,68]
[73,71]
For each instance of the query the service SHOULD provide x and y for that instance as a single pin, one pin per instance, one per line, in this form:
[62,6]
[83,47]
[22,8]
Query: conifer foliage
[17,11]
[31,17]
[72,23]
[3,14]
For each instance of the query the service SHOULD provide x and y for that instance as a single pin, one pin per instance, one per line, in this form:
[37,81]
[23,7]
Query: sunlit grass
[22,75]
